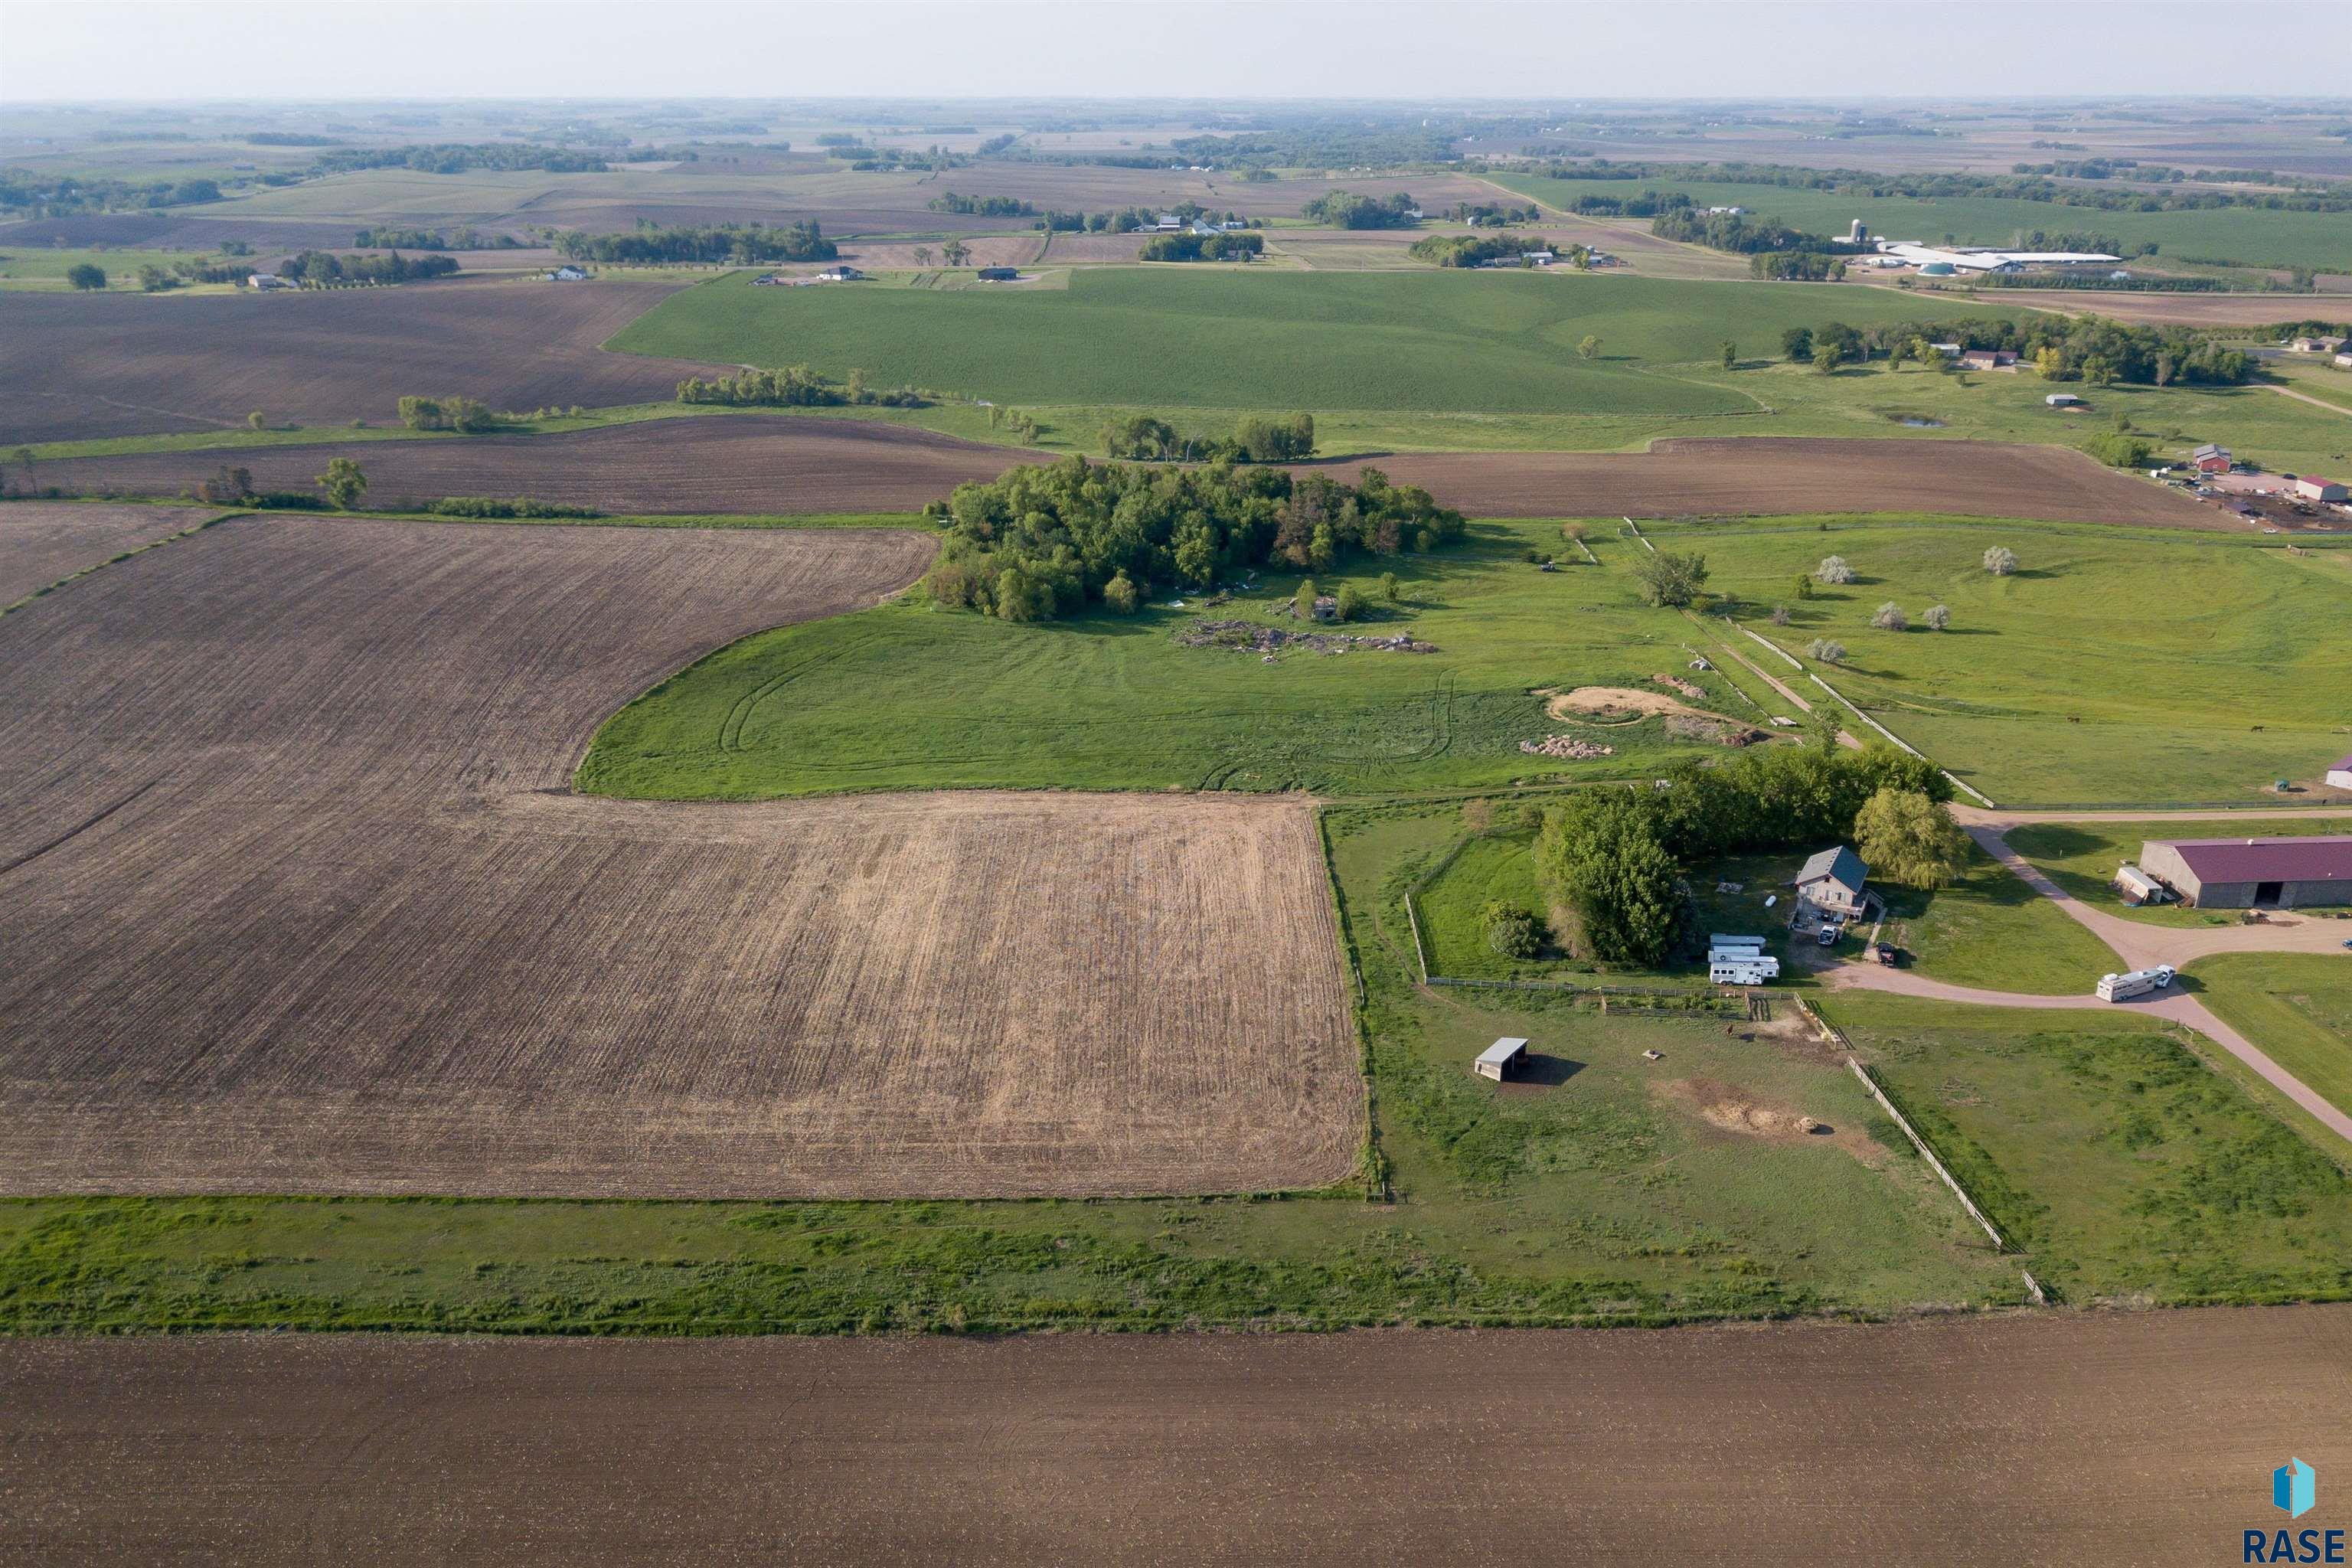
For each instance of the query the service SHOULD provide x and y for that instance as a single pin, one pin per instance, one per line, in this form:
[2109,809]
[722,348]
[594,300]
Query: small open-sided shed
[1497,1060]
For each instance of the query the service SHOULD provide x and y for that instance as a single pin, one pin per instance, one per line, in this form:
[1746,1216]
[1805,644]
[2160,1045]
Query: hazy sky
[1270,49]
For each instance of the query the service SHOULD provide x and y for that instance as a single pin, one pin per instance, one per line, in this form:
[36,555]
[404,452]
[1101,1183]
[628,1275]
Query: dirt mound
[1735,1110]
[1615,701]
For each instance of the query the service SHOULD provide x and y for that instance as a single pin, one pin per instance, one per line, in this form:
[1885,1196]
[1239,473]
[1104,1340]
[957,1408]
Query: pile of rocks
[1252,637]
[1572,748]
[1689,688]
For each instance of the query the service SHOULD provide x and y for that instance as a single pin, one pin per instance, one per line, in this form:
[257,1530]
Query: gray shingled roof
[1840,862]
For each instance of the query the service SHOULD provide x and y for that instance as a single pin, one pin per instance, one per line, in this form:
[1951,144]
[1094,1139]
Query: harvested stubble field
[784,465]
[752,463]
[43,543]
[175,230]
[329,921]
[1761,476]
[1283,1448]
[75,367]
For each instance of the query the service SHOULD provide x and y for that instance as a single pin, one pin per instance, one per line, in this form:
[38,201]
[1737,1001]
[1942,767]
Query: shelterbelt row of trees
[741,243]
[796,386]
[324,266]
[2308,195]
[2061,348]
[1476,250]
[1620,860]
[1043,542]
[1288,438]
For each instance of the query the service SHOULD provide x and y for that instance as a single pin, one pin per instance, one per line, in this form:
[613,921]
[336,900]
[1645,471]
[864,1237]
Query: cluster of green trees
[1798,266]
[1131,220]
[982,207]
[741,243]
[1488,211]
[325,267]
[1348,209]
[1619,858]
[1243,247]
[385,236]
[291,139]
[1328,142]
[2062,348]
[469,416]
[1736,233]
[796,386]
[1478,250]
[86,274]
[1288,438]
[23,191]
[456,158]
[1041,541]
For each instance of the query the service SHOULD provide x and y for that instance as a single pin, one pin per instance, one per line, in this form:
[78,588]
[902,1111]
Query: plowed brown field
[293,900]
[756,463]
[77,366]
[2050,1438]
[42,543]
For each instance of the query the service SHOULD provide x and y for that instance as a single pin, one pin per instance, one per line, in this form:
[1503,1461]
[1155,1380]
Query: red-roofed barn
[2241,873]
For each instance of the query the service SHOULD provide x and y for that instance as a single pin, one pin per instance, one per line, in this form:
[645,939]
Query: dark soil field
[75,366]
[44,541]
[2058,1439]
[295,898]
[1730,477]
[753,463]
[171,231]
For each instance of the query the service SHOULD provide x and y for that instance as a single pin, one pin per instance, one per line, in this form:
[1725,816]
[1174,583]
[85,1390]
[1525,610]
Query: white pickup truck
[2138,983]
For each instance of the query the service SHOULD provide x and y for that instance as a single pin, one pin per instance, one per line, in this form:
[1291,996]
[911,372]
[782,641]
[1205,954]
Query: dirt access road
[2053,1437]
[2137,946]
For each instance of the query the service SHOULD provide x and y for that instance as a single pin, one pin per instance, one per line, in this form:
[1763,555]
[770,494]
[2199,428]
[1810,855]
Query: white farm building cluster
[1948,260]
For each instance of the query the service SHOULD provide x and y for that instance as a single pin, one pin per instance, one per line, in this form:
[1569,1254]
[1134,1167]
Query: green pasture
[1169,338]
[2117,665]
[44,266]
[1987,928]
[2251,235]
[2296,1006]
[909,696]
[2128,1167]
[2082,857]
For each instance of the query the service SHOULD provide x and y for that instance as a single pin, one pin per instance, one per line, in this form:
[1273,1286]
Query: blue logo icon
[2294,1487]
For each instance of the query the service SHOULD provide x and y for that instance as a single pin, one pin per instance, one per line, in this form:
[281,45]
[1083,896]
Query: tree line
[741,243]
[1348,209]
[2062,348]
[1243,247]
[2307,196]
[795,386]
[982,207]
[1478,250]
[1287,439]
[1620,860]
[321,266]
[1043,541]
[385,236]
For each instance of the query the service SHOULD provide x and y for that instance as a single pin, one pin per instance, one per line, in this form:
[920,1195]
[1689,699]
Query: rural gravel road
[2056,1436]
[2138,945]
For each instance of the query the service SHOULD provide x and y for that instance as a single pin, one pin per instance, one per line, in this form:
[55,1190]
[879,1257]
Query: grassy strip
[2296,1006]
[120,555]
